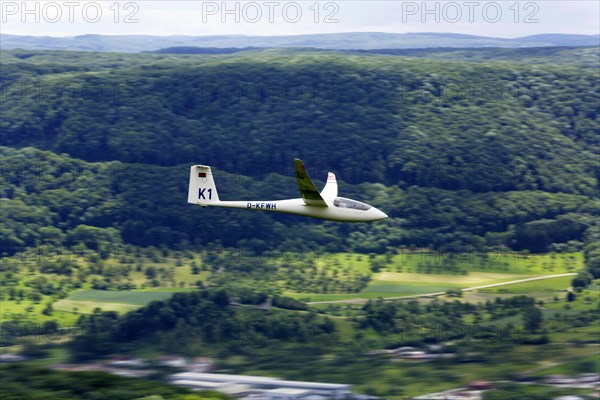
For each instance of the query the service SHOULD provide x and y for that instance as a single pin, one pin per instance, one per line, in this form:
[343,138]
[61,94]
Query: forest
[483,154]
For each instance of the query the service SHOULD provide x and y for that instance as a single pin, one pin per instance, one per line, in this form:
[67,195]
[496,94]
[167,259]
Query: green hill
[458,153]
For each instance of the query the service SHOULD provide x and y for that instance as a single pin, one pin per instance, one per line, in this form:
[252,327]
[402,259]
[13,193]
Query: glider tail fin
[331,189]
[202,189]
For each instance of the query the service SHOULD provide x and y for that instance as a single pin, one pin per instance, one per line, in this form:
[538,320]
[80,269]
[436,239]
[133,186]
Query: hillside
[384,114]
[558,55]
[452,162]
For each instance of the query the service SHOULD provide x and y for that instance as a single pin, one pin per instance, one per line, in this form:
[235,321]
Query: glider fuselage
[325,205]
[299,207]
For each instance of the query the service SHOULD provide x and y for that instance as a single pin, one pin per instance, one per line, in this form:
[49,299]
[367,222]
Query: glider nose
[380,214]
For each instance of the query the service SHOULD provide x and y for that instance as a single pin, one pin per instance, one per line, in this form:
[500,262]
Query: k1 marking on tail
[325,205]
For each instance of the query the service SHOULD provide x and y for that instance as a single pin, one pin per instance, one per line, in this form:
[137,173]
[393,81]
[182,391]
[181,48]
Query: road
[360,300]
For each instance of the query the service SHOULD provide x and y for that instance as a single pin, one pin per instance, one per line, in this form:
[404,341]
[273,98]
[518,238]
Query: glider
[325,205]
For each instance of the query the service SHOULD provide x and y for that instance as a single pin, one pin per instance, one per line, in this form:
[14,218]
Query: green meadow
[85,301]
[422,273]
[398,275]
[138,298]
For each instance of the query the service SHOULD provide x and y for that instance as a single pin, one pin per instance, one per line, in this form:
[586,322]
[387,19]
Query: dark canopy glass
[349,203]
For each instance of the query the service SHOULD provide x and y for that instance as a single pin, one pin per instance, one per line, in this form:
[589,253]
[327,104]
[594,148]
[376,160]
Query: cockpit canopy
[342,202]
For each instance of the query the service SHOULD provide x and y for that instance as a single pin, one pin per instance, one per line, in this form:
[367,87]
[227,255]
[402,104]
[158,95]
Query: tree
[532,318]
[221,298]
[582,280]
[195,269]
[48,309]
[376,264]
[150,273]
[455,292]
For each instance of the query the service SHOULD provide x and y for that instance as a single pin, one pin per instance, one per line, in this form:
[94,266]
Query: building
[286,394]
[132,373]
[10,357]
[262,388]
[201,364]
[410,353]
[588,378]
[474,391]
[559,380]
[172,361]
[480,385]
[453,394]
[127,362]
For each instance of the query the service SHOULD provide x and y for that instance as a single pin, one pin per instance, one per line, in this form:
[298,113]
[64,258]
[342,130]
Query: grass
[356,262]
[512,263]
[544,286]
[472,279]
[581,333]
[399,289]
[403,274]
[138,298]
[581,364]
[88,307]
[86,299]
[400,277]
[394,284]
[121,301]
[323,296]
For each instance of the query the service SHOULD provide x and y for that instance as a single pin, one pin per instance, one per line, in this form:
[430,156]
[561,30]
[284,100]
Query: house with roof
[172,361]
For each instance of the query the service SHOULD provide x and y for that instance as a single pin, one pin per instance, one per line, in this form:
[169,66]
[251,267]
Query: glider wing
[307,188]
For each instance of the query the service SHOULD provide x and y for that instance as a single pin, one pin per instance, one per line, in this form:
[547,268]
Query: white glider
[325,205]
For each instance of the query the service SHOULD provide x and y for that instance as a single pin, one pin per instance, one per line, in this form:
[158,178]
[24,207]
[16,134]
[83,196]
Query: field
[71,291]
[138,298]
[86,301]
[411,274]
[544,286]
[389,276]
[415,274]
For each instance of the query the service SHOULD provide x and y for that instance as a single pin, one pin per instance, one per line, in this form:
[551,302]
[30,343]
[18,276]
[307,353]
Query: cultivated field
[424,273]
[388,276]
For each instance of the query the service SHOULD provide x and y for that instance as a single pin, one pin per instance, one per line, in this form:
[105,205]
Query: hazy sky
[151,17]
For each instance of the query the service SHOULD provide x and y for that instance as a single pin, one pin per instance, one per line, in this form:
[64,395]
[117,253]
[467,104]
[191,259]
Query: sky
[501,18]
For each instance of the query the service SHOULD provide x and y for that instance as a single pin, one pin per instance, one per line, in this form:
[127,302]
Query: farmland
[147,275]
[424,273]
[77,285]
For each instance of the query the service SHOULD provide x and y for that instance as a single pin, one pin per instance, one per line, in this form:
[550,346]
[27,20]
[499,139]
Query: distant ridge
[202,50]
[332,41]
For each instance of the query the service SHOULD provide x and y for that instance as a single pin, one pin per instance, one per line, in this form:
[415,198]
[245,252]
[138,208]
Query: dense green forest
[210,324]
[203,318]
[383,115]
[488,154]
[584,56]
